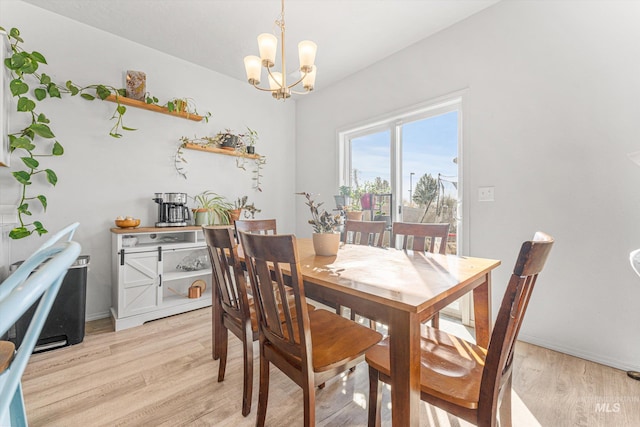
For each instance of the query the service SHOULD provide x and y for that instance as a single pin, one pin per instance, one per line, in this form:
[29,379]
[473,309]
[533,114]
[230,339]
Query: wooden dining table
[400,289]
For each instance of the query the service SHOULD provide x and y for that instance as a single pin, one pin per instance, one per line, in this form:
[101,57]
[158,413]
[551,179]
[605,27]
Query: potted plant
[239,204]
[244,142]
[326,240]
[227,140]
[213,209]
[350,204]
[250,138]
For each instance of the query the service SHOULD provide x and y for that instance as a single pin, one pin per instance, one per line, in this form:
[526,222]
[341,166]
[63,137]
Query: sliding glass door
[406,168]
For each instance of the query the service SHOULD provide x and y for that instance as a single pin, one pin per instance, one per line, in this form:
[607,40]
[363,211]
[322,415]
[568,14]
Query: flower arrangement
[322,221]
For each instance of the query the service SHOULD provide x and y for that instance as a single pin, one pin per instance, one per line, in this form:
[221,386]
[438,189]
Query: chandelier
[268,44]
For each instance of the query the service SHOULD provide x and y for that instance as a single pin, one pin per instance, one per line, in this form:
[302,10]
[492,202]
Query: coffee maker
[172,209]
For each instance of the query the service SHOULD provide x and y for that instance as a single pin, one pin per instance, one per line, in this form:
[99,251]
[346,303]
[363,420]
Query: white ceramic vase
[326,244]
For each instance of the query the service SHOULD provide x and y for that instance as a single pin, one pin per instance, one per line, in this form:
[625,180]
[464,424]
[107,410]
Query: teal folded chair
[38,278]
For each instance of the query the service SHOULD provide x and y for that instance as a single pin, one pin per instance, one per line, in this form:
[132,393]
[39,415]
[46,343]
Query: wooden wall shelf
[220,151]
[151,107]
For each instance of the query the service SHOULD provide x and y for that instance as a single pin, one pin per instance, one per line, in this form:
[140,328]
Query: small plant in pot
[213,209]
[350,204]
[243,204]
[326,240]
[250,138]
[228,140]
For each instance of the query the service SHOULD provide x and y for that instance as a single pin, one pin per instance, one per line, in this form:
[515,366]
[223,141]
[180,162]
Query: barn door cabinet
[152,270]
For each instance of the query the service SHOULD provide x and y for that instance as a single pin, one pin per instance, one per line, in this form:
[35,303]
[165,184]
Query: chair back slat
[423,236]
[366,233]
[283,326]
[498,363]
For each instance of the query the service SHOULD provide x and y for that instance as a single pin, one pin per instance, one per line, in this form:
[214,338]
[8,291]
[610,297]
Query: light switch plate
[486,194]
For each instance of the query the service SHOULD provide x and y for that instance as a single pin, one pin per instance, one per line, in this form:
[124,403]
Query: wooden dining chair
[464,379]
[364,232]
[309,348]
[36,282]
[260,226]
[423,238]
[232,310]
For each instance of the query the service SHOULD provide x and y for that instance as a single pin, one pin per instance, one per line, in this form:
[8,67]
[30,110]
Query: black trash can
[65,323]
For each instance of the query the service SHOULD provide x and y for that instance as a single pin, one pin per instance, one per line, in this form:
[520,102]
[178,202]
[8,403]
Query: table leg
[404,349]
[482,311]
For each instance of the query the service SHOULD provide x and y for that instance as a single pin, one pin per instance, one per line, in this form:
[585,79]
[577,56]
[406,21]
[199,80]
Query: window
[405,167]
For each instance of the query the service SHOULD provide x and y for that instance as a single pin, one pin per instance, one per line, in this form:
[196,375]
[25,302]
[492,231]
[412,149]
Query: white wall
[550,113]
[101,177]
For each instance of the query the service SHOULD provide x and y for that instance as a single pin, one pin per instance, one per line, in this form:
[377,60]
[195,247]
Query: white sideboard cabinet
[152,270]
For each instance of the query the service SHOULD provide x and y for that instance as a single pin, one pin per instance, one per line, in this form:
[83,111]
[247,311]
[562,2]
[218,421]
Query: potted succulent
[213,209]
[326,240]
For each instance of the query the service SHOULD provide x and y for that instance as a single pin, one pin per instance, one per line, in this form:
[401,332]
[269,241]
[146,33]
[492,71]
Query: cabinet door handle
[159,253]
[121,256]
[160,281]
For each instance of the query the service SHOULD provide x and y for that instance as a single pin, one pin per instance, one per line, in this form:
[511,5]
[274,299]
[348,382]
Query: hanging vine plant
[37,140]
[244,140]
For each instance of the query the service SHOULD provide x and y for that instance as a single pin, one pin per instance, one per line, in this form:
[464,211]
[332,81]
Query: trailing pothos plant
[37,140]
[31,86]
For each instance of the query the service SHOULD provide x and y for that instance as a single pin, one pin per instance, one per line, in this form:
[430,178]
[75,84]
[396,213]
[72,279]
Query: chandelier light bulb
[275,80]
[309,80]
[267,44]
[252,65]
[307,53]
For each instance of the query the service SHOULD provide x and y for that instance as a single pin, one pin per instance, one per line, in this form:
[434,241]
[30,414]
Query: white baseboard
[597,358]
[97,316]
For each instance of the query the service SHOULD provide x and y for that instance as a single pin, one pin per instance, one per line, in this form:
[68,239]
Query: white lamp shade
[268,44]
[307,52]
[309,80]
[275,81]
[252,66]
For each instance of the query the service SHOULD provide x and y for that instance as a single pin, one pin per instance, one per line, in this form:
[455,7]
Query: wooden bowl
[127,223]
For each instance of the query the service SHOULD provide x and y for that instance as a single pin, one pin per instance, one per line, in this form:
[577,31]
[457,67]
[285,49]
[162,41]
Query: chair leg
[216,329]
[16,415]
[222,350]
[309,396]
[435,321]
[263,393]
[247,388]
[375,398]
[505,405]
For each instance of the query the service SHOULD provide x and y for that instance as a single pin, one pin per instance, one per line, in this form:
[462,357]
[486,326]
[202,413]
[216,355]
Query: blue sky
[428,146]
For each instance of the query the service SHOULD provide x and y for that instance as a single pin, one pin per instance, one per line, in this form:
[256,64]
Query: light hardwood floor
[162,374]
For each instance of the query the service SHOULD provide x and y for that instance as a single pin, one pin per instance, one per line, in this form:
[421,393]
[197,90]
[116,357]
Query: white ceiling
[217,34]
